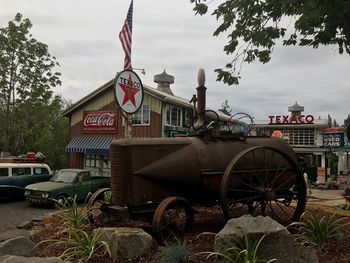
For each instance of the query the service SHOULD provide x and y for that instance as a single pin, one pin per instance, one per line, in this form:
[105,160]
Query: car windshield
[64,176]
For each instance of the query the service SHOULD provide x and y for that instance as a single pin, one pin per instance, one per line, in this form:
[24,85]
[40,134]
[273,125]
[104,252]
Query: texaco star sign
[128,91]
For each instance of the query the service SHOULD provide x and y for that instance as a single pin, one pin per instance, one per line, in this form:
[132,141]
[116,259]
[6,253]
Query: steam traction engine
[216,164]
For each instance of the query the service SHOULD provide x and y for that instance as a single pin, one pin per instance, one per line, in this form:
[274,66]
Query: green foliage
[347,127]
[346,191]
[73,217]
[177,252]
[225,108]
[30,115]
[81,246]
[253,27]
[345,206]
[317,232]
[245,252]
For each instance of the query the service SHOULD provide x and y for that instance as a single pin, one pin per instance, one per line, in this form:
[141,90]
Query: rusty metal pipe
[201,95]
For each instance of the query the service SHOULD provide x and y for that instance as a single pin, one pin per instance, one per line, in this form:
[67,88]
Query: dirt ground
[320,203]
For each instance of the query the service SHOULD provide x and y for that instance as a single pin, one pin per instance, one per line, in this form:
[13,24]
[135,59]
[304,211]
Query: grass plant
[317,232]
[345,206]
[246,252]
[177,252]
[80,245]
[72,215]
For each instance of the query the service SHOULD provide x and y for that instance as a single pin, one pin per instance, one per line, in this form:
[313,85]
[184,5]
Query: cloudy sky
[83,35]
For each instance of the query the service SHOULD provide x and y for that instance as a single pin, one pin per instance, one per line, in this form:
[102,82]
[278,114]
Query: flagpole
[125,37]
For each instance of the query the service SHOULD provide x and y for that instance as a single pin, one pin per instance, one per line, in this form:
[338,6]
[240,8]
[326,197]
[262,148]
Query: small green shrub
[345,206]
[246,252]
[81,245]
[317,232]
[72,215]
[346,193]
[177,252]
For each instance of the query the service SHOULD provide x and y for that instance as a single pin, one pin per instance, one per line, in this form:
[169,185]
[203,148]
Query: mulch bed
[206,220]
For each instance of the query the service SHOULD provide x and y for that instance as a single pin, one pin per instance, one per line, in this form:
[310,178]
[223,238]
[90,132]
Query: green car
[75,183]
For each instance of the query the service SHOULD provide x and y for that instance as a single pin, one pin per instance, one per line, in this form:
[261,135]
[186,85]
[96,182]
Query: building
[95,120]
[304,133]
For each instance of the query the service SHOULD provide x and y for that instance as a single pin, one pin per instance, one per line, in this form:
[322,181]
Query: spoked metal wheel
[263,181]
[172,219]
[99,202]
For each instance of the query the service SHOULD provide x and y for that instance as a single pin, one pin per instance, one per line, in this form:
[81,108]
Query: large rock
[128,242]
[10,231]
[18,246]
[278,243]
[17,259]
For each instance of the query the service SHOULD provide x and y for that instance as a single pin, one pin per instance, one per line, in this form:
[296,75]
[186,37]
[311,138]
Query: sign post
[128,91]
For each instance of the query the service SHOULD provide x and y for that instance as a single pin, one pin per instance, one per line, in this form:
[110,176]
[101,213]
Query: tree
[47,132]
[26,79]
[335,123]
[347,127]
[257,24]
[225,108]
[329,121]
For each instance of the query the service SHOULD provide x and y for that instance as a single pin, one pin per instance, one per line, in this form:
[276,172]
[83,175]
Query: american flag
[125,37]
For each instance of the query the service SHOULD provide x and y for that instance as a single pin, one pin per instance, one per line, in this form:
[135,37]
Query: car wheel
[61,201]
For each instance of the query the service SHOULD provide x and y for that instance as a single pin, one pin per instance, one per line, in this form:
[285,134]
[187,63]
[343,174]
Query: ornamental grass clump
[177,252]
[345,206]
[80,245]
[72,215]
[317,232]
[246,252]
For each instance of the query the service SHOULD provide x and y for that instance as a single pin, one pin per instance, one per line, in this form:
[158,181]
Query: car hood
[46,186]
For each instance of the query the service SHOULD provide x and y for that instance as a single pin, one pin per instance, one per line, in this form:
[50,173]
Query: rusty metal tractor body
[245,174]
[151,169]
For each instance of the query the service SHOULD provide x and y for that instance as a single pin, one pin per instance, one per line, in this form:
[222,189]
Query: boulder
[18,246]
[25,225]
[10,231]
[17,259]
[127,242]
[277,244]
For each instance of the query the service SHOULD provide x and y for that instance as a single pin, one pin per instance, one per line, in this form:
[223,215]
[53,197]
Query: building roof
[296,108]
[166,97]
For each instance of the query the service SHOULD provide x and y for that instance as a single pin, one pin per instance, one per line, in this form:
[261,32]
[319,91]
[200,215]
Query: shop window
[91,160]
[296,137]
[106,162]
[142,116]
[98,165]
[174,116]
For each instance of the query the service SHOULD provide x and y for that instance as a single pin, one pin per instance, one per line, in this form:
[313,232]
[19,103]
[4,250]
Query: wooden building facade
[161,115]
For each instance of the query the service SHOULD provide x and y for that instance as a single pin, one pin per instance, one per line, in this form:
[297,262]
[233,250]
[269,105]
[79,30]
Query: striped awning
[98,145]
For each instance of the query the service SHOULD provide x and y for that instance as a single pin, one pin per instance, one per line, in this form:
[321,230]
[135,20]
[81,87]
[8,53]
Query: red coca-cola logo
[99,121]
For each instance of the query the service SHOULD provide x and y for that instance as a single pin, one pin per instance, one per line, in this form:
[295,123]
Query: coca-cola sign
[100,121]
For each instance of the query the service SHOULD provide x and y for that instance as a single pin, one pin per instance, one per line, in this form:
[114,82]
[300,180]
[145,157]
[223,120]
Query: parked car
[75,183]
[15,176]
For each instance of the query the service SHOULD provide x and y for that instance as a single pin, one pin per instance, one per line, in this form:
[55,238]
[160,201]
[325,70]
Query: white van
[15,176]
[15,169]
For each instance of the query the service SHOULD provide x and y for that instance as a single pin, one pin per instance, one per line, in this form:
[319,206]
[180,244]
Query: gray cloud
[83,35]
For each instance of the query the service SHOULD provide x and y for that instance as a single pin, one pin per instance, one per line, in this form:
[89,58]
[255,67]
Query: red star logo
[129,92]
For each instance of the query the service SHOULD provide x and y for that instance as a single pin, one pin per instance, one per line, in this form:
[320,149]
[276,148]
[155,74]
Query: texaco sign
[128,91]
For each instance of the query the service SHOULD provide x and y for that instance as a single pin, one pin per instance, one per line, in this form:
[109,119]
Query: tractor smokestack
[201,90]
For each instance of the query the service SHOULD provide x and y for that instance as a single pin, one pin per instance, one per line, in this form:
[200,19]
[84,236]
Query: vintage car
[75,183]
[15,176]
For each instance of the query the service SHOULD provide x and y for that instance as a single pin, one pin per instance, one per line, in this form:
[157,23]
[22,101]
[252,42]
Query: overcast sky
[83,35]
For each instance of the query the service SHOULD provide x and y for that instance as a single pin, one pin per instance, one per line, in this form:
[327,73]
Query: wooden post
[127,126]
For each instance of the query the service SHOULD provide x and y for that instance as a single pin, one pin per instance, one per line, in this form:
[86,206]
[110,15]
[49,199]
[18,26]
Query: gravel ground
[17,212]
